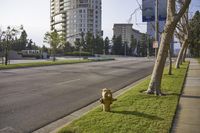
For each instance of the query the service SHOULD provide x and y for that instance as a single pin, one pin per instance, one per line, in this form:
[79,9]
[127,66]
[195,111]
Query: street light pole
[156,26]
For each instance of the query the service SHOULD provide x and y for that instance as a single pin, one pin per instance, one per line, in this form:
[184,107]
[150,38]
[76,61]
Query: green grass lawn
[48,63]
[136,112]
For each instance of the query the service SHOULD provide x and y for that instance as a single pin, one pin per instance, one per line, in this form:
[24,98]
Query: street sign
[148,10]
[155,44]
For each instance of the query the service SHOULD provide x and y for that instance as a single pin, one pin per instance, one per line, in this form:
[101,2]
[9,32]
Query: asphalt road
[34,97]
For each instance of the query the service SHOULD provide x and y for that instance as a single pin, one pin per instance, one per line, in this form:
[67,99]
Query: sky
[34,15]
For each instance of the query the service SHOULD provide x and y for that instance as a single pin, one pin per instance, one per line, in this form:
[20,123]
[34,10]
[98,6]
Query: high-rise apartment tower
[74,17]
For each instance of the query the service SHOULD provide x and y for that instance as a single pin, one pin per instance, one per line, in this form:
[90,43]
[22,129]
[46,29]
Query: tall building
[74,17]
[126,31]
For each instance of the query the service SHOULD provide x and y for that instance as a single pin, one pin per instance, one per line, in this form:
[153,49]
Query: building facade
[126,31]
[74,17]
[151,28]
[151,32]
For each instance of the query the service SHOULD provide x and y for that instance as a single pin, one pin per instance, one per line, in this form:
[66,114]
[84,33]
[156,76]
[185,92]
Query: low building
[126,31]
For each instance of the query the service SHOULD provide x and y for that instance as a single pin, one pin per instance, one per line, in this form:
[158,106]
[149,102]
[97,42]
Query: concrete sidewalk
[187,119]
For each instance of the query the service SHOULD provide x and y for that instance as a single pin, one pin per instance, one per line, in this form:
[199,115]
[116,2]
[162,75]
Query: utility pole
[156,26]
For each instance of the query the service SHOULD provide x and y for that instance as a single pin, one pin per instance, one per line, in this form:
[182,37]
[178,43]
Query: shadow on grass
[172,94]
[139,114]
[172,76]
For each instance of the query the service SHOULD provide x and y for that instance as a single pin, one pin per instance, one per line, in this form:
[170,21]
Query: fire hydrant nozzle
[106,99]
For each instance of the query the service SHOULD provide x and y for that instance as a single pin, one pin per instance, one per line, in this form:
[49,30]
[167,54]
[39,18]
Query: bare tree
[184,53]
[173,17]
[170,61]
[182,33]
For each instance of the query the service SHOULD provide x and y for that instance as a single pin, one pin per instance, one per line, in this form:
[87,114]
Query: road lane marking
[69,81]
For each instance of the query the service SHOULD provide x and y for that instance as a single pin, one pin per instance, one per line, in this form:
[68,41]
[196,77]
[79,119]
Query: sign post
[154,10]
[155,44]
[156,26]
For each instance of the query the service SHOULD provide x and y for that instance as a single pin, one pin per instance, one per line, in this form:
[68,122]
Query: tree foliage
[143,46]
[90,43]
[133,45]
[23,40]
[117,47]
[55,40]
[99,45]
[106,45]
[67,47]
[182,33]
[174,15]
[195,35]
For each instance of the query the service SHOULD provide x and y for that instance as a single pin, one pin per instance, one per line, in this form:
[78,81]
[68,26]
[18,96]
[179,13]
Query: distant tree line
[142,47]
[87,43]
[17,43]
[90,44]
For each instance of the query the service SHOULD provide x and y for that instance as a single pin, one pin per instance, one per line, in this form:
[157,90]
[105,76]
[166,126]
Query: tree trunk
[184,54]
[155,83]
[54,55]
[6,54]
[172,20]
[170,62]
[2,59]
[180,54]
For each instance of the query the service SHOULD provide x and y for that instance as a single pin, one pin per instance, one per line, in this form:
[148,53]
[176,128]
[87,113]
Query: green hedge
[77,53]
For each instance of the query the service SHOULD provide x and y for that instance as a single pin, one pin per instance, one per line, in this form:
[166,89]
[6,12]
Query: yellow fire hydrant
[106,99]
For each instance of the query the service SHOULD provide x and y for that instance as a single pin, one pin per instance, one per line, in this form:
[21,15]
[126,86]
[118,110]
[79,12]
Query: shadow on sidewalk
[188,96]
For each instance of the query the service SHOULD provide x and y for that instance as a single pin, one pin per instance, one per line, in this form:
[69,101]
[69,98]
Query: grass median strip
[136,112]
[47,63]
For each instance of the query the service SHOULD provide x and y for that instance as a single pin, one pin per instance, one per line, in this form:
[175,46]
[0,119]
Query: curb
[54,127]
